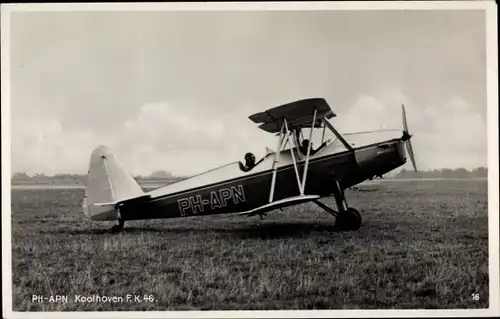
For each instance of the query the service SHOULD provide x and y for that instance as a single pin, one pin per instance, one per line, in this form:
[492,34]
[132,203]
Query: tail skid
[108,185]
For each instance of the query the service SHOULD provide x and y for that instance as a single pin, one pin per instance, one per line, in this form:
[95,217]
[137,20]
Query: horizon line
[174,176]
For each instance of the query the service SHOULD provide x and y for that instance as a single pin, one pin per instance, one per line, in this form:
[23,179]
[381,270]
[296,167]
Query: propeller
[406,138]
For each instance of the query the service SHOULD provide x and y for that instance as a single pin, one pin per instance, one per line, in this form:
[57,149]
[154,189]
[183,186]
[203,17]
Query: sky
[173,90]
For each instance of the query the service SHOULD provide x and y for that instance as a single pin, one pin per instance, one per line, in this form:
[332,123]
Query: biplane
[290,175]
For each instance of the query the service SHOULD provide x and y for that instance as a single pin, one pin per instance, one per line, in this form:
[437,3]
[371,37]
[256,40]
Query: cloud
[451,135]
[41,145]
[186,139]
[70,96]
[183,140]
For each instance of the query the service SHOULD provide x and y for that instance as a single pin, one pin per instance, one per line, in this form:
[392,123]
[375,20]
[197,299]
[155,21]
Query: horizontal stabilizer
[280,204]
[125,201]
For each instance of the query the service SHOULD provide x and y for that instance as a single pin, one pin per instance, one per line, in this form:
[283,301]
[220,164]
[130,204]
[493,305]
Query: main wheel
[355,219]
[350,220]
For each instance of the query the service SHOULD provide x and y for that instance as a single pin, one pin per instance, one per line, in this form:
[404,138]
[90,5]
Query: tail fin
[107,184]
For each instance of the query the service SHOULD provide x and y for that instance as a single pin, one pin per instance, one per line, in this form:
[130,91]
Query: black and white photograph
[232,159]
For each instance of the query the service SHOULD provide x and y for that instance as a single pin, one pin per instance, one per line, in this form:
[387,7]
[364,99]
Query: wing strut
[303,186]
[323,136]
[276,161]
[337,134]
[283,139]
[294,160]
[285,136]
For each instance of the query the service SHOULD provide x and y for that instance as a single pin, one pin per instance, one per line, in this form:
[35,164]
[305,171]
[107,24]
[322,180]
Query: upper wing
[298,114]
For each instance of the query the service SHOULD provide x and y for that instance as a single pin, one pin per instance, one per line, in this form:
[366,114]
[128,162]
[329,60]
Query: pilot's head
[249,159]
[305,143]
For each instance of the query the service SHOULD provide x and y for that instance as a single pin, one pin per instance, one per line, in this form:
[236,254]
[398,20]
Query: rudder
[107,183]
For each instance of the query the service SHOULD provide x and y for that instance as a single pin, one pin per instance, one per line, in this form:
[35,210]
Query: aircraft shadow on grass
[258,231]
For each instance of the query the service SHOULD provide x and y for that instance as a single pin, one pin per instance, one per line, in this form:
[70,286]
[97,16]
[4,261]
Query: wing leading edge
[298,114]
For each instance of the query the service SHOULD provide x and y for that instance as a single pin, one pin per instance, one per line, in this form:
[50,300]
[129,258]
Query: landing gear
[119,227]
[347,218]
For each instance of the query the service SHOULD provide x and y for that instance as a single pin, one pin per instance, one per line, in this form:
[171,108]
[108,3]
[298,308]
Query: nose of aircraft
[401,151]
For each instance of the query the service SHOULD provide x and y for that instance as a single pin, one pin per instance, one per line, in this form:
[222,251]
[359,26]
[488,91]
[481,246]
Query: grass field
[423,244]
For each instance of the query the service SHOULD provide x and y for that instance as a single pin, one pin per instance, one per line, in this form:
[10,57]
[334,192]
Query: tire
[354,219]
[350,220]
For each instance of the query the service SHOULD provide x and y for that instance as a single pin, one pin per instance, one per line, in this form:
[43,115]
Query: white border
[493,189]
[6,170]
[255,6]
[493,180]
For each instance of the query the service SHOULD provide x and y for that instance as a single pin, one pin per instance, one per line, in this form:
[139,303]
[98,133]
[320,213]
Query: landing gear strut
[119,227]
[347,218]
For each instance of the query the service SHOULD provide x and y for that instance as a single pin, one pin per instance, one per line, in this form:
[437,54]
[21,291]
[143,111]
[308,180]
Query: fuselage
[228,190]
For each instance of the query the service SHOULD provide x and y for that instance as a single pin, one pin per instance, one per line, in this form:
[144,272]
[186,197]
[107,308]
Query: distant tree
[435,173]
[446,173]
[65,175]
[402,173]
[20,176]
[461,173]
[160,174]
[480,172]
